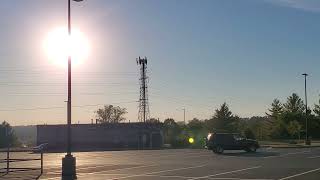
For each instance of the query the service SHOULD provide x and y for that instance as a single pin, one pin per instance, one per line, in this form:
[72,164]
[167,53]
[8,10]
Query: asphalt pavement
[190,164]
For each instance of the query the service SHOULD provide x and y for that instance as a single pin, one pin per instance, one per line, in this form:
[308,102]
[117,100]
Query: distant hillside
[26,134]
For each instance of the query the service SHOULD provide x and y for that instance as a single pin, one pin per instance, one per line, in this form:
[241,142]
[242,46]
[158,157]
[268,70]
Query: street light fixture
[69,162]
[305,93]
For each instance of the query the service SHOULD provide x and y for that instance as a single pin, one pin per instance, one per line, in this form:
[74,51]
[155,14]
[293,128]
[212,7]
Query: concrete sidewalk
[288,145]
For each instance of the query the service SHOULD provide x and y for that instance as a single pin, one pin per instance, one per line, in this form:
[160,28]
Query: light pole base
[69,167]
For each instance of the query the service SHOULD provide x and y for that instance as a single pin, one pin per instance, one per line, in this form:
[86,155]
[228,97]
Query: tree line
[281,121]
[7,136]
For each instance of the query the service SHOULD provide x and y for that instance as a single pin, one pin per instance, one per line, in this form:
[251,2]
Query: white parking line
[156,172]
[136,167]
[216,178]
[296,175]
[169,176]
[236,179]
[187,154]
[101,172]
[228,172]
[79,168]
[312,157]
[51,178]
[204,155]
[287,154]
[84,168]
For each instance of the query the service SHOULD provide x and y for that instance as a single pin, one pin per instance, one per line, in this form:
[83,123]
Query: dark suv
[218,142]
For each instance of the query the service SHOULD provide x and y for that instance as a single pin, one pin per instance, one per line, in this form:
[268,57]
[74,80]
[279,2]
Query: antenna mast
[144,113]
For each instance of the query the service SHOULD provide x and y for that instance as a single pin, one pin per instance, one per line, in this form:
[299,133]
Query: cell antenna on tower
[143,100]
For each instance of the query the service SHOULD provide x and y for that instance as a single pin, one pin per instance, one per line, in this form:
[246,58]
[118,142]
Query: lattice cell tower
[143,101]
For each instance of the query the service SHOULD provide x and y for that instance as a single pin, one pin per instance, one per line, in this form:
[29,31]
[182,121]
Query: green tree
[313,126]
[294,104]
[152,120]
[170,130]
[242,125]
[276,109]
[249,134]
[7,135]
[170,123]
[195,125]
[279,129]
[223,120]
[292,111]
[197,130]
[294,129]
[173,133]
[274,123]
[259,126]
[110,114]
[314,121]
[316,109]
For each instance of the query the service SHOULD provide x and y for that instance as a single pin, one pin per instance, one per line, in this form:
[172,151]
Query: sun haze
[59,45]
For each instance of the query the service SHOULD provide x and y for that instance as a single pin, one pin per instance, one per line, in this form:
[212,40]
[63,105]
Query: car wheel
[214,150]
[219,149]
[252,148]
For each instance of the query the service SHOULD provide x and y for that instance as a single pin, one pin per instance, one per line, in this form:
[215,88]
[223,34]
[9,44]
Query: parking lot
[190,164]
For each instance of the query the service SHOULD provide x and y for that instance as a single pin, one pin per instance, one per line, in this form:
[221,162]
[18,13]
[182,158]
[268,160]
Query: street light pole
[306,106]
[184,115]
[69,85]
[69,162]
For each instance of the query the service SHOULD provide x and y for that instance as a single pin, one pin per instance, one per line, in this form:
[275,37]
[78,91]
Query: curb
[275,146]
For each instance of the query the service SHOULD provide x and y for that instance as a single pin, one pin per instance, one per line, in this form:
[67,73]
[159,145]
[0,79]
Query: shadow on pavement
[2,174]
[21,175]
[253,154]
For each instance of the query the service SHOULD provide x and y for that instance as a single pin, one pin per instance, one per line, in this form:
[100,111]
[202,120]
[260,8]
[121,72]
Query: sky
[201,54]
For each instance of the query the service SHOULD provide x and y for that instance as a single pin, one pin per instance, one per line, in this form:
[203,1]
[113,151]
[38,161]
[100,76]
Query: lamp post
[69,162]
[305,93]
[184,116]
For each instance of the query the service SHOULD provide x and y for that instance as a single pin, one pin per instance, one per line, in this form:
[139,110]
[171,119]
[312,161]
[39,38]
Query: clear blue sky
[201,53]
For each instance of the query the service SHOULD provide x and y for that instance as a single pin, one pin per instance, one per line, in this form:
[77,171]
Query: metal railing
[8,161]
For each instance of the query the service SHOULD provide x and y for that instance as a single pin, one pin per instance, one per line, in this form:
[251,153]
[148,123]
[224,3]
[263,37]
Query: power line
[21,84]
[62,107]
[63,94]
[22,71]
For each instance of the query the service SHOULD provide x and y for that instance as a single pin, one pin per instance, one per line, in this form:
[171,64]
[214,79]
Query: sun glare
[59,46]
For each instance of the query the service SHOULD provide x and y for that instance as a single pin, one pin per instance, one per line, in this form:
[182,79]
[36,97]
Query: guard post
[8,150]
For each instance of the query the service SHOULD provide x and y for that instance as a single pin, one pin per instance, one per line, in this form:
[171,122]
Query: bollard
[8,157]
[41,162]
[8,149]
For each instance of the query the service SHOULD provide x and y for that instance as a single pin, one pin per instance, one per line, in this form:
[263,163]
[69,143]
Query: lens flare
[191,140]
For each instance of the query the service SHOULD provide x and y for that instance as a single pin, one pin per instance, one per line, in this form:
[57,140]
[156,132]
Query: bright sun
[59,45]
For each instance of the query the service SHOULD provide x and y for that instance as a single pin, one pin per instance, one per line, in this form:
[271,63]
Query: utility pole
[305,93]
